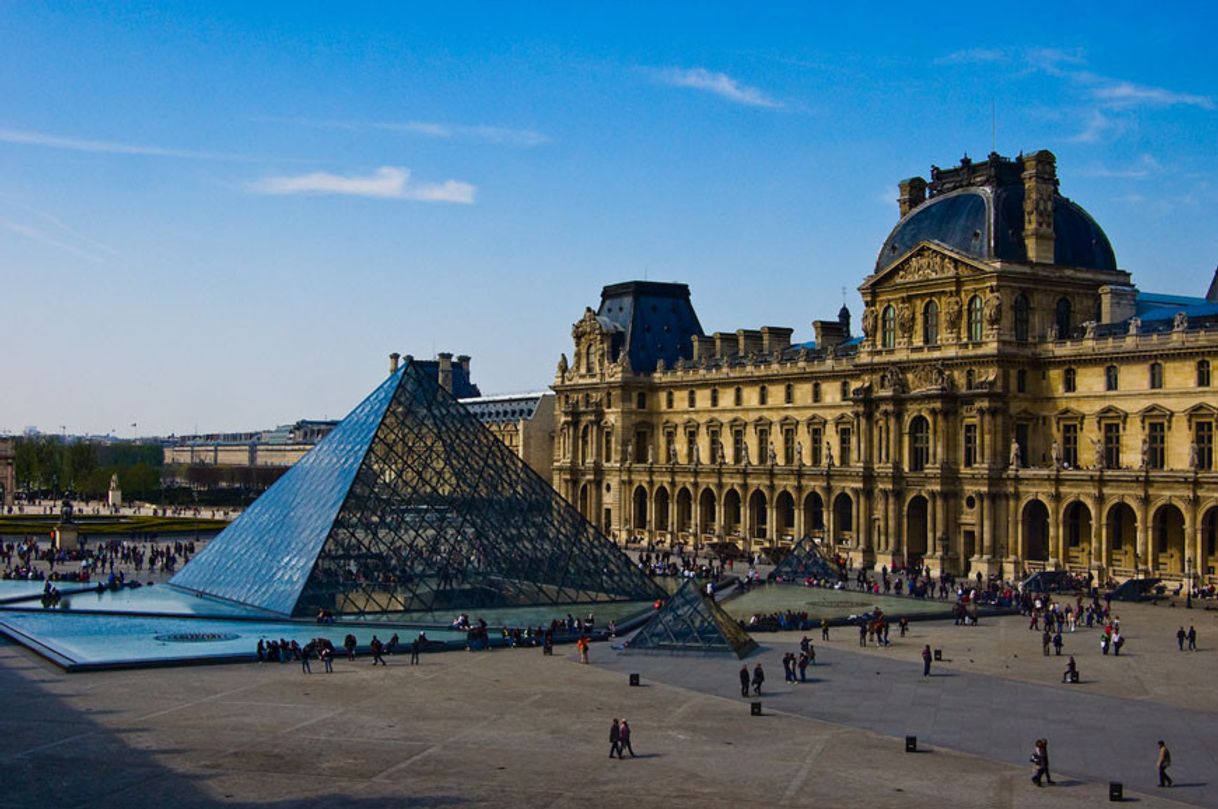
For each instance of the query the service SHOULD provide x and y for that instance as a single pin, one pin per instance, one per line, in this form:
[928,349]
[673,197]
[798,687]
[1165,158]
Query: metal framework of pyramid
[806,561]
[411,505]
[692,622]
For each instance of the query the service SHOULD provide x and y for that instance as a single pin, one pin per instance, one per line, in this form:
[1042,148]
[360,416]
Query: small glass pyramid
[806,561]
[410,505]
[692,622]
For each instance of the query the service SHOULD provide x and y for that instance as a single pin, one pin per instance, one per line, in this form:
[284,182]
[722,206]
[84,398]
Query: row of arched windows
[974,323]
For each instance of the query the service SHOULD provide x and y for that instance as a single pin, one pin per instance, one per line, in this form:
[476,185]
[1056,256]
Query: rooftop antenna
[843,296]
[993,125]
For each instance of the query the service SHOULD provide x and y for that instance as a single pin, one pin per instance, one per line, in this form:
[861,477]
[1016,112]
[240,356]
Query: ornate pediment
[925,262]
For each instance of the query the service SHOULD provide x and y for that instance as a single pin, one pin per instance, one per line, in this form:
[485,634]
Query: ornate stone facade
[1001,413]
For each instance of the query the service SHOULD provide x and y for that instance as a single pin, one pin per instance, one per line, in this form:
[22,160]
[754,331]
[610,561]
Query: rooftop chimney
[912,194]
[446,370]
[393,362]
[1039,190]
[463,361]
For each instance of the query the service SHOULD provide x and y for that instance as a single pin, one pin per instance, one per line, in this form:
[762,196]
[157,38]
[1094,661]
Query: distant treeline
[48,464]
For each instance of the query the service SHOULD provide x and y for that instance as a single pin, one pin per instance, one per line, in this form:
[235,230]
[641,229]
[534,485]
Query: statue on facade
[722,453]
[799,454]
[773,456]
[628,450]
[697,454]
[951,316]
[1180,322]
[1144,454]
[672,452]
[1055,453]
[651,454]
[869,322]
[563,367]
[993,308]
[1135,326]
[1194,456]
[905,320]
[828,454]
[1097,450]
[1015,459]
[1089,330]
[1053,332]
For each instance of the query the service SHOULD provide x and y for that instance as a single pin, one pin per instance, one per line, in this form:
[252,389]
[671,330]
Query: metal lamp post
[1188,582]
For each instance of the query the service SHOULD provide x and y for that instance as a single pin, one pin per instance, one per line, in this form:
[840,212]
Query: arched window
[763,395]
[974,319]
[1110,378]
[668,400]
[1156,375]
[789,393]
[888,329]
[815,391]
[691,400]
[590,359]
[640,402]
[1061,316]
[1023,312]
[845,391]
[930,323]
[919,444]
[714,397]
[738,397]
[1203,373]
[1070,380]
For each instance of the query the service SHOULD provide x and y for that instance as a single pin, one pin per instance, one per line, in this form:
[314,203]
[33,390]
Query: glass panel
[690,622]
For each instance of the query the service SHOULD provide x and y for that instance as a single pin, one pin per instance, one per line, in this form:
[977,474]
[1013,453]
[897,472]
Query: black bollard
[938,655]
[1116,791]
[911,744]
[634,679]
[756,709]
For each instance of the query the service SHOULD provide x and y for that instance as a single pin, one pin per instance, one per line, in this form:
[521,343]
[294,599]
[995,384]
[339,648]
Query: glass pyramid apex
[414,506]
[806,561]
[692,622]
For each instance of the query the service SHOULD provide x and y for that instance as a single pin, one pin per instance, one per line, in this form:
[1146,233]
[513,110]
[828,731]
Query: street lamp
[1188,582]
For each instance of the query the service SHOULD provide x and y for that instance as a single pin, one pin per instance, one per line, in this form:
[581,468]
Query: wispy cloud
[973,56]
[720,84]
[59,225]
[1144,166]
[36,234]
[508,136]
[1124,94]
[387,182]
[30,138]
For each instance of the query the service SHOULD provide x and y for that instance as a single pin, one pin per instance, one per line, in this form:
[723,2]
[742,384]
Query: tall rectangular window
[670,447]
[1204,436]
[1156,436]
[817,437]
[788,395]
[1070,445]
[691,400]
[1112,445]
[691,442]
[714,397]
[1021,438]
[970,445]
[668,400]
[738,448]
[1111,379]
[843,437]
[763,445]
[641,444]
[1070,380]
[815,391]
[788,446]
[713,437]
[1021,381]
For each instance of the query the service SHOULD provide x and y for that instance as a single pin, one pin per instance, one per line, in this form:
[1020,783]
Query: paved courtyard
[513,728]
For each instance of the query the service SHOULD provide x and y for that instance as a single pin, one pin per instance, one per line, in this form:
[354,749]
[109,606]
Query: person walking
[1057,644]
[1192,638]
[414,652]
[824,629]
[582,646]
[327,658]
[623,734]
[305,654]
[1040,762]
[744,680]
[1164,763]
[377,647]
[758,679]
[615,740]
[926,660]
[1180,636]
[803,667]
[1046,640]
[349,643]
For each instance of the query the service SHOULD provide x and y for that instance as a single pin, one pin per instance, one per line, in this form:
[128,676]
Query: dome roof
[987,223]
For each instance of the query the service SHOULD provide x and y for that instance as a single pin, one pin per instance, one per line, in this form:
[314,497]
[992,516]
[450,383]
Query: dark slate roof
[987,223]
[463,388]
[499,409]
[653,321]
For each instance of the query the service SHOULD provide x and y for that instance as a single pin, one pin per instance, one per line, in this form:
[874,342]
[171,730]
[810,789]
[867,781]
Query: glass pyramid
[692,622]
[412,505]
[806,560]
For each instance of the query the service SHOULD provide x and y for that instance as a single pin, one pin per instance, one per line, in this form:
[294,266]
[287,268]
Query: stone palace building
[1014,403]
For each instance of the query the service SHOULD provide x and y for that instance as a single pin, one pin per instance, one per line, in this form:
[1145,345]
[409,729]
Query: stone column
[1145,551]
[1098,563]
[1056,557]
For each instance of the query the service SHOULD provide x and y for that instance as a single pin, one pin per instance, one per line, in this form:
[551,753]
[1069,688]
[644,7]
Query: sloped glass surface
[806,561]
[691,622]
[263,559]
[441,515]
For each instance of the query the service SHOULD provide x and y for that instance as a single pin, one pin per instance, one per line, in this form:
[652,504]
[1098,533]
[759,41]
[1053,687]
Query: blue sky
[226,216]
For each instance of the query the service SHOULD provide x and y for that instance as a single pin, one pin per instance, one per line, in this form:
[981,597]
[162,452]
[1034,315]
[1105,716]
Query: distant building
[8,474]
[524,422]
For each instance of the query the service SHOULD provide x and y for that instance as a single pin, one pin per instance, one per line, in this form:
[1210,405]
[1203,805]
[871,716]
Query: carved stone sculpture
[1016,452]
[951,316]
[1055,453]
[905,320]
[1194,456]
